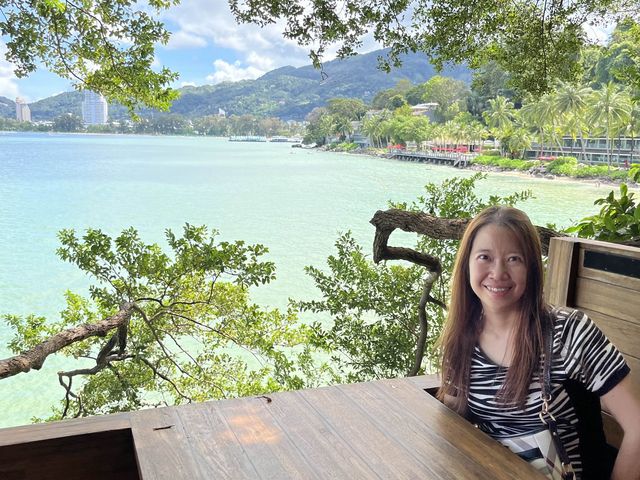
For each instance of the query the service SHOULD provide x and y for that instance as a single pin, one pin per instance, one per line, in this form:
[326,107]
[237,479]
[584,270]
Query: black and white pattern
[581,352]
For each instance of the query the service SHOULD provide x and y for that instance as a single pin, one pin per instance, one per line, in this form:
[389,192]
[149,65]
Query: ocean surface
[294,201]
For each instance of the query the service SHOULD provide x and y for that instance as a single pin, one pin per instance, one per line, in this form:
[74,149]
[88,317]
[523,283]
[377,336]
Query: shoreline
[596,182]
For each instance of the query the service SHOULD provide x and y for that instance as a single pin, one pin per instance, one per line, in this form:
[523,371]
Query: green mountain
[7,108]
[288,93]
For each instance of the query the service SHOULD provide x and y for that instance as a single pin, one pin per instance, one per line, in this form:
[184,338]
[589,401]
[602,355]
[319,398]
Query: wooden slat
[268,448]
[614,301]
[471,453]
[371,444]
[426,382]
[323,449]
[402,443]
[562,261]
[604,276]
[64,428]
[623,334]
[162,449]
[99,456]
[214,446]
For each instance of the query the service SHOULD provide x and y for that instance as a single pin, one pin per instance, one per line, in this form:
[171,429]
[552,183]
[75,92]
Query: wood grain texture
[562,261]
[162,447]
[98,456]
[612,300]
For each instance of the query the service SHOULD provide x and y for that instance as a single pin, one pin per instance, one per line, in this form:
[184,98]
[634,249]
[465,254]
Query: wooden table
[389,429]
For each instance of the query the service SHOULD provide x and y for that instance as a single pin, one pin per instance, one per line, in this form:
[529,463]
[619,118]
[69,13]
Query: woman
[493,342]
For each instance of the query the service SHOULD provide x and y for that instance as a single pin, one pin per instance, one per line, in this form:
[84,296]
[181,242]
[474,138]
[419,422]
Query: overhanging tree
[162,328]
[101,45]
[534,41]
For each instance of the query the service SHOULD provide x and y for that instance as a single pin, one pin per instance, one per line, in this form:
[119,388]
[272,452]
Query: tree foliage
[535,42]
[101,45]
[374,325]
[617,221]
[184,327]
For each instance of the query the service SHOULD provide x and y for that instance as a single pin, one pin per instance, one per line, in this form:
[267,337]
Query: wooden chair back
[602,280]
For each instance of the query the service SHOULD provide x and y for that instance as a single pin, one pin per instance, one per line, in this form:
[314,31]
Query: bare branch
[35,358]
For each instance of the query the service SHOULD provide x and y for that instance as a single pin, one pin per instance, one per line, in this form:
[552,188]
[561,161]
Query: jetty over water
[452,159]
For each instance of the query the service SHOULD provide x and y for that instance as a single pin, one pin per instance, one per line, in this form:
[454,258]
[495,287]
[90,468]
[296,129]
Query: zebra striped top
[581,352]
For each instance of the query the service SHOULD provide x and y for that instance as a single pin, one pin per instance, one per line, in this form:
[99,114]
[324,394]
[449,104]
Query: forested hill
[287,92]
[7,108]
[291,93]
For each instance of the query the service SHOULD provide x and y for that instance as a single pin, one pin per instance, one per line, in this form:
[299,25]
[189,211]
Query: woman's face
[497,270]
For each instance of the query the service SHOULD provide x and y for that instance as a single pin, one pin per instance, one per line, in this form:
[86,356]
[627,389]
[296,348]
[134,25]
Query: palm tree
[611,109]
[571,103]
[499,116]
[532,116]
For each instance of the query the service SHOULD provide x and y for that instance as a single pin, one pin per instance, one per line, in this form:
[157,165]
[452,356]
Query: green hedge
[506,163]
[564,166]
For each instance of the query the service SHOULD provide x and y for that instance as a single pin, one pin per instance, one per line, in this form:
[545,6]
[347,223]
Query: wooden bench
[603,280]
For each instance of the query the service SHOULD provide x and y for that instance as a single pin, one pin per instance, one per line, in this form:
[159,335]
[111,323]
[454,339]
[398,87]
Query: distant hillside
[289,93]
[7,108]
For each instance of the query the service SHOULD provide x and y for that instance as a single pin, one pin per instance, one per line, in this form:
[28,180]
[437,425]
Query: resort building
[424,109]
[620,151]
[95,109]
[23,112]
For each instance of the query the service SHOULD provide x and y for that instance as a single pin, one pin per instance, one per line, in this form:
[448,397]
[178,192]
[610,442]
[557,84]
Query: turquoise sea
[294,201]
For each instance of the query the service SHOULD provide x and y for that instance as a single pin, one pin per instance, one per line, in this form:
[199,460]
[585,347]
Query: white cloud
[8,85]
[211,22]
[187,84]
[183,39]
[233,72]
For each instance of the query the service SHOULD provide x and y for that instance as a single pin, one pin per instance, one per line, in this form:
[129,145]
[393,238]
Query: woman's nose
[499,269]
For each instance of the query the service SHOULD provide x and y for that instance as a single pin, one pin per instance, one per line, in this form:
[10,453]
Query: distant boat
[247,138]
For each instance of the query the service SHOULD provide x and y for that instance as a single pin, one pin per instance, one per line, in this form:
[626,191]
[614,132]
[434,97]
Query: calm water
[294,201]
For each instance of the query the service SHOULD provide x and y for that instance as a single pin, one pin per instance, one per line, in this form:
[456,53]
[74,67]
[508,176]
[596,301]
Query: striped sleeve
[589,355]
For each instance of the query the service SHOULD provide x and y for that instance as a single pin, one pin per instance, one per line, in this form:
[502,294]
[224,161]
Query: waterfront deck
[376,430]
[451,159]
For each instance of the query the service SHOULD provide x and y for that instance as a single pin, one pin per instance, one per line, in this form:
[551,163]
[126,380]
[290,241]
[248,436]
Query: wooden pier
[452,159]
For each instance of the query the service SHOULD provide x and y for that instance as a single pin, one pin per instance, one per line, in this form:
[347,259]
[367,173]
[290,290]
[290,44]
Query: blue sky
[206,47]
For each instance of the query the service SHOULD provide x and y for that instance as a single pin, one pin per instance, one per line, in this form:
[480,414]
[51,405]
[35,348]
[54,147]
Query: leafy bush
[558,163]
[506,163]
[491,153]
[617,221]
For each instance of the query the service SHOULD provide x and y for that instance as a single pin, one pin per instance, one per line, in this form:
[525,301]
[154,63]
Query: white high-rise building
[95,109]
[23,112]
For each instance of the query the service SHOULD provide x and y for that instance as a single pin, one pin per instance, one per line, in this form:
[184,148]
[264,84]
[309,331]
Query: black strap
[545,414]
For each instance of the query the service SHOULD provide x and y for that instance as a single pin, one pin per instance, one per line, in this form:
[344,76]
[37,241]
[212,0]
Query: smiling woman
[509,360]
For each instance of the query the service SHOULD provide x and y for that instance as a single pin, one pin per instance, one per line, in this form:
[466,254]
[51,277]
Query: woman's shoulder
[569,322]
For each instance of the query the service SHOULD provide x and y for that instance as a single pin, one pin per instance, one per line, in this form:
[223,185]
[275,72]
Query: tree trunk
[34,358]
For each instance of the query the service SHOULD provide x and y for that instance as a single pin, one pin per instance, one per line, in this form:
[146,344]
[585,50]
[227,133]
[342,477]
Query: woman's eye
[482,256]
[515,258]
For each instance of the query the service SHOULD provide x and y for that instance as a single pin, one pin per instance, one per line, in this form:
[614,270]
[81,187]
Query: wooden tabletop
[389,429]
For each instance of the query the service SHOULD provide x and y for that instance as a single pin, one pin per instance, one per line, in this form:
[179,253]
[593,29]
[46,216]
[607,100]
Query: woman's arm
[623,402]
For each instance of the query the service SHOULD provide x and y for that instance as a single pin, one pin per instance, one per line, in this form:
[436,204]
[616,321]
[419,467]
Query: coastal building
[619,151]
[425,109]
[23,112]
[95,109]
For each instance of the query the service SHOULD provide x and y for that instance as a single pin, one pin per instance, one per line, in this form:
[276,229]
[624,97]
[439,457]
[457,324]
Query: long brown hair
[463,325]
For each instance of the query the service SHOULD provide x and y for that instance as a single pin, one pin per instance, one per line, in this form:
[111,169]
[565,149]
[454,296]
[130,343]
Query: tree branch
[35,358]
[435,227]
